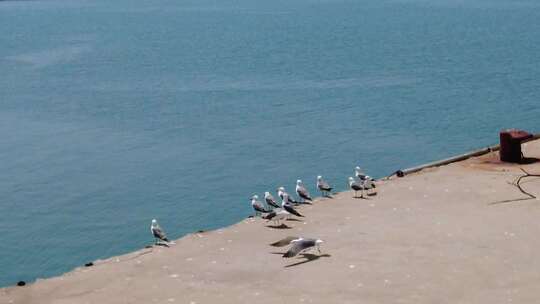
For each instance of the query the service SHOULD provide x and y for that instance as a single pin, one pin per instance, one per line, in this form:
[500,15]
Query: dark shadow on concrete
[529,160]
[309,257]
[294,220]
[282,226]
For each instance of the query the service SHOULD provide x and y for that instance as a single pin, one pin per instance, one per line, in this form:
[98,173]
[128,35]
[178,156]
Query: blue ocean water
[116,112]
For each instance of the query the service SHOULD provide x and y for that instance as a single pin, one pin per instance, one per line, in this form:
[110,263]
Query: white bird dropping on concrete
[158,233]
[323,186]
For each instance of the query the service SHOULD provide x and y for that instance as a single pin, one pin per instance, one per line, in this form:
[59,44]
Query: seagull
[300,245]
[288,207]
[281,193]
[359,173]
[369,184]
[257,205]
[302,191]
[323,186]
[356,186]
[270,200]
[158,233]
[284,242]
[277,216]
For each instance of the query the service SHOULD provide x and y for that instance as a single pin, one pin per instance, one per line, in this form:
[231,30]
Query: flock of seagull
[277,213]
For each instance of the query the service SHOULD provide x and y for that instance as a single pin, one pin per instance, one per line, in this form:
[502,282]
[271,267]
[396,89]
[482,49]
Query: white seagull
[289,207]
[257,205]
[284,242]
[300,245]
[270,200]
[281,193]
[158,233]
[277,216]
[359,173]
[356,186]
[369,184]
[302,192]
[323,186]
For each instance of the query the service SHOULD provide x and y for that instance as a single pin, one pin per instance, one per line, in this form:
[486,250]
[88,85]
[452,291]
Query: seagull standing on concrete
[369,184]
[300,245]
[302,192]
[257,205]
[277,216]
[281,193]
[359,173]
[270,200]
[356,186]
[158,233]
[289,207]
[323,186]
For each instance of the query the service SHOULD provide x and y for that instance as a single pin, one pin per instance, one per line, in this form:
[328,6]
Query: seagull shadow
[309,257]
[162,244]
[294,220]
[282,226]
[361,197]
[372,194]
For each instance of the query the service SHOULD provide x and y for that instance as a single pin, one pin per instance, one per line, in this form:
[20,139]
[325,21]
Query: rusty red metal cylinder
[511,140]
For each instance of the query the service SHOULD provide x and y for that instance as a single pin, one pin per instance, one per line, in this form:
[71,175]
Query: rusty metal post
[511,145]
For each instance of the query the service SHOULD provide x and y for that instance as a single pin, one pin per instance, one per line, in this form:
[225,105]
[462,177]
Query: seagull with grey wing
[323,186]
[369,184]
[277,216]
[302,192]
[289,207]
[301,245]
[359,173]
[281,193]
[284,242]
[270,200]
[257,205]
[356,186]
[158,233]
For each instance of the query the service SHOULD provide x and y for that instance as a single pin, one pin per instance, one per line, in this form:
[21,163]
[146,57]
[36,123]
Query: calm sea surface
[116,112]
